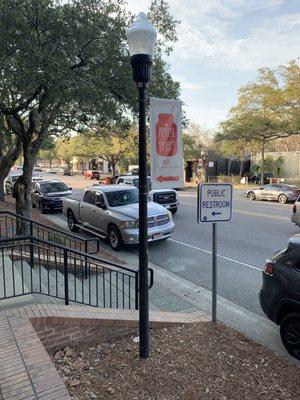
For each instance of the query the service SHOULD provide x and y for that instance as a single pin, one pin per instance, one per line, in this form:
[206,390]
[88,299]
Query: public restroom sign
[166,144]
[214,202]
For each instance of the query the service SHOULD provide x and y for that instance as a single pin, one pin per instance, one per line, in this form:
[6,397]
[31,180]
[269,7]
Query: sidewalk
[173,293]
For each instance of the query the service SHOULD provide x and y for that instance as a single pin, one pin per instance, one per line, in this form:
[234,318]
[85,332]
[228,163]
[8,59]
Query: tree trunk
[50,165]
[22,188]
[242,162]
[262,168]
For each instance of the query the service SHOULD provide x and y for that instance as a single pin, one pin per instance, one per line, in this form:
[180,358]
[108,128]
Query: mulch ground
[9,205]
[191,362]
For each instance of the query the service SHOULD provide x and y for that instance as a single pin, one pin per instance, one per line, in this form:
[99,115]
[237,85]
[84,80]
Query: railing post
[85,263]
[136,290]
[66,277]
[31,252]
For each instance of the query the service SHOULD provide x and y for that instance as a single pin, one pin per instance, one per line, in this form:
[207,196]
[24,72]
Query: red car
[91,174]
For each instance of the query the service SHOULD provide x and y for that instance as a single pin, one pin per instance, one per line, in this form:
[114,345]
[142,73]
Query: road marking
[260,215]
[219,255]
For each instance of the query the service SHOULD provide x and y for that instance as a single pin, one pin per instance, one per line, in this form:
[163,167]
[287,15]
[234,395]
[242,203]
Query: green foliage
[274,165]
[65,66]
[267,109]
[195,140]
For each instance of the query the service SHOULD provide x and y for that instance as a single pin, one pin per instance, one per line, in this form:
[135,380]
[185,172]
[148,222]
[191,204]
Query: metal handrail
[85,241]
[31,247]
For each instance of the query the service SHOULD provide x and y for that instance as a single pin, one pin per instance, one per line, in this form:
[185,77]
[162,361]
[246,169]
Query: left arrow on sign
[167,178]
[214,213]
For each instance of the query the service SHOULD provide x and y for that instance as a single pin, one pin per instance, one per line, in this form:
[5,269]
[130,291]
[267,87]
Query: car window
[128,182]
[53,187]
[89,197]
[136,183]
[279,186]
[122,197]
[99,198]
[120,180]
[267,187]
[14,178]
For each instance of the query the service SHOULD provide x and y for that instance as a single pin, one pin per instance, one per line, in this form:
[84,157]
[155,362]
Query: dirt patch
[9,205]
[200,361]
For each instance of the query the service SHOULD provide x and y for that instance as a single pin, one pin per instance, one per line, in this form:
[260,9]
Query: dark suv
[48,195]
[280,294]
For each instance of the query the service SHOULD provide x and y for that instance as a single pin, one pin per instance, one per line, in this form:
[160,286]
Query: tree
[65,150]
[63,67]
[237,149]
[267,109]
[114,145]
[195,140]
[48,151]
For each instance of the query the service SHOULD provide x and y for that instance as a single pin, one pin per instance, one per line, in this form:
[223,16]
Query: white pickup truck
[112,212]
[165,197]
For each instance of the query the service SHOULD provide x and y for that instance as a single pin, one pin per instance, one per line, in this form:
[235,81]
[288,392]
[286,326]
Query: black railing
[9,223]
[29,265]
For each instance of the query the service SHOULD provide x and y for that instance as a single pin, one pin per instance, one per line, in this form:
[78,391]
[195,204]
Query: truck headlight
[129,224]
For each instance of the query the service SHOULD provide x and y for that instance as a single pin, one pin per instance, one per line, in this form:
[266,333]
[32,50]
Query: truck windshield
[122,197]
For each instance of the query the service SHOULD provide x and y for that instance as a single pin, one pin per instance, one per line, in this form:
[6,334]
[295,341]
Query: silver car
[276,192]
[112,212]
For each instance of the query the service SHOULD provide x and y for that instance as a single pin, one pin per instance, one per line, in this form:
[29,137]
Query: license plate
[157,235]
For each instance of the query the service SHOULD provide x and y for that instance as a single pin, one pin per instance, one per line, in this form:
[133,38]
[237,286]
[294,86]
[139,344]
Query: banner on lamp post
[166,143]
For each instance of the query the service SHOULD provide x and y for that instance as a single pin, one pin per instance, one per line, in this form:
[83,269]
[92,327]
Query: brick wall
[56,337]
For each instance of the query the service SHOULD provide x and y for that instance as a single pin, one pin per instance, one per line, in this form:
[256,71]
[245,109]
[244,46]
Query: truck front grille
[164,197]
[159,220]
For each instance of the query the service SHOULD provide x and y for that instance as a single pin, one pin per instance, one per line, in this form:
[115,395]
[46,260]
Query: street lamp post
[141,37]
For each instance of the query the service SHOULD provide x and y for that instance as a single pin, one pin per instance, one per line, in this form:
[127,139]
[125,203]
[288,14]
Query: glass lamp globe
[141,36]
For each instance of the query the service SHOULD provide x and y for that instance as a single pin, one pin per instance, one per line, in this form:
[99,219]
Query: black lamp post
[141,37]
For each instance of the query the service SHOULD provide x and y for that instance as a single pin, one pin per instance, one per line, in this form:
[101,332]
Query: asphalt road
[256,231]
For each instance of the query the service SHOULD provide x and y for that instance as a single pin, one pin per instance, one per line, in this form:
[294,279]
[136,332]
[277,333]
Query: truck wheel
[290,334]
[72,222]
[114,237]
[173,211]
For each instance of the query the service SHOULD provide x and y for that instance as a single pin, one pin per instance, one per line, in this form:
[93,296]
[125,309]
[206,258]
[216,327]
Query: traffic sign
[214,202]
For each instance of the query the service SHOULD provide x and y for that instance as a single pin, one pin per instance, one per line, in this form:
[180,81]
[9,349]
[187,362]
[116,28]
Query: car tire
[114,238]
[290,334]
[282,199]
[173,211]
[72,222]
[251,196]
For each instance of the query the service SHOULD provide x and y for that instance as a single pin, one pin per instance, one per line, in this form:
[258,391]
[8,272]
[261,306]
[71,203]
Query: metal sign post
[214,206]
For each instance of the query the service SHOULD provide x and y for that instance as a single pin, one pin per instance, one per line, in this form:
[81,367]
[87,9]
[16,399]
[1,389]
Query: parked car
[48,195]
[165,197]
[278,192]
[9,182]
[112,212]
[267,178]
[280,294]
[51,172]
[295,217]
[91,174]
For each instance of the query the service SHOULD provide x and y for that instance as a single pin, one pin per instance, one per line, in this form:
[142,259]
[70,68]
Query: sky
[222,43]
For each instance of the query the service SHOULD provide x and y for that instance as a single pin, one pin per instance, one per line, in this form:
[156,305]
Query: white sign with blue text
[214,202]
